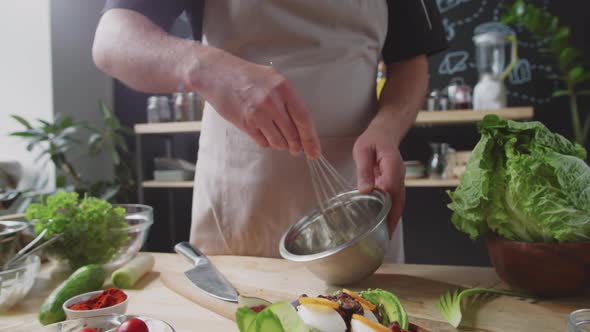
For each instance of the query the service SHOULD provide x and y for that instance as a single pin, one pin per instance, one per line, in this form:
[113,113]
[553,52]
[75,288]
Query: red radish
[133,325]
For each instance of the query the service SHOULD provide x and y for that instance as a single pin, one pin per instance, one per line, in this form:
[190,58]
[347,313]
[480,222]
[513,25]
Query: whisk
[343,217]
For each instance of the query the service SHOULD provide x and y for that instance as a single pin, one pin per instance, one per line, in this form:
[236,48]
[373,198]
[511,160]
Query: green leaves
[22,121]
[567,55]
[91,227]
[524,183]
[53,141]
[571,60]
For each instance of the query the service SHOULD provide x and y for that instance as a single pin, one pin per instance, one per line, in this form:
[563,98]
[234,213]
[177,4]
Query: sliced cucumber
[267,321]
[244,317]
[252,301]
[288,317]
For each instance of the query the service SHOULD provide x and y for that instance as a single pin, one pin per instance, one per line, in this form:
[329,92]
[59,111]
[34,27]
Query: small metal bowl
[361,245]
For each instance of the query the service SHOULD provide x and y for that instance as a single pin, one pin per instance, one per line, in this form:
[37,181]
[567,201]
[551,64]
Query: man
[296,75]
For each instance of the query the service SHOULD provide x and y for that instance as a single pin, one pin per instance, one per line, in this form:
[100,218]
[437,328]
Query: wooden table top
[152,298]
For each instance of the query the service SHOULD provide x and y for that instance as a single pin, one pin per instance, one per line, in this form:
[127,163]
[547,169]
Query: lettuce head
[524,183]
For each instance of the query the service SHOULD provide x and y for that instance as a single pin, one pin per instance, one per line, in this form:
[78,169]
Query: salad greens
[92,230]
[449,304]
[524,183]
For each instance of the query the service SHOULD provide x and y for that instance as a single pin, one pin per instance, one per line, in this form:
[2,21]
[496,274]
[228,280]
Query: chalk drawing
[446,5]
[453,62]
[449,29]
[521,73]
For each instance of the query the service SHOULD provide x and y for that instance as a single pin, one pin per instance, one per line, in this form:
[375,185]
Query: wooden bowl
[543,269]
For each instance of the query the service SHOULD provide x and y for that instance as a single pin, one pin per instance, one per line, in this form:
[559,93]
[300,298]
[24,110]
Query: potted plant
[527,191]
[570,61]
[56,139]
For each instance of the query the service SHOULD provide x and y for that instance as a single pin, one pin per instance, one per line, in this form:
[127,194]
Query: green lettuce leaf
[524,183]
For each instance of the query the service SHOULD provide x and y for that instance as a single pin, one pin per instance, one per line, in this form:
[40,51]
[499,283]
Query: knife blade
[204,275]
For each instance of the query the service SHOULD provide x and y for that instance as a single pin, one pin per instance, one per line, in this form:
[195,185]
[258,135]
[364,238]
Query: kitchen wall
[47,69]
[26,70]
[77,83]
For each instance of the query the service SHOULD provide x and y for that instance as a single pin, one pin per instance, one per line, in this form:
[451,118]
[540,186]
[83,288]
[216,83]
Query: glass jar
[181,107]
[164,109]
[438,167]
[153,113]
[579,321]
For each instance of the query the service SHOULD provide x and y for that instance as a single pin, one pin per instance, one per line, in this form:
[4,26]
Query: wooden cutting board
[275,280]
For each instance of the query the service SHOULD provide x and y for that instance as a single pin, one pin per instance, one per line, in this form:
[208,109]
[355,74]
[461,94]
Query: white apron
[245,197]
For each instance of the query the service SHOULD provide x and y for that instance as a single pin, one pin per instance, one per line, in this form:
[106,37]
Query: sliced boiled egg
[319,301]
[360,323]
[369,314]
[321,317]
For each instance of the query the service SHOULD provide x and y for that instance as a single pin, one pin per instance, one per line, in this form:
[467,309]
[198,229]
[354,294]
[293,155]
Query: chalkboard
[527,83]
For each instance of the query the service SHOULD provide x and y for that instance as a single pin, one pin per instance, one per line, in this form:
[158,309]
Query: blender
[490,56]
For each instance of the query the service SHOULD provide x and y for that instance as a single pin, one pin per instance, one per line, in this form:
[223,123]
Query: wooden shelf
[424,117]
[167,184]
[467,116]
[168,127]
[409,183]
[431,183]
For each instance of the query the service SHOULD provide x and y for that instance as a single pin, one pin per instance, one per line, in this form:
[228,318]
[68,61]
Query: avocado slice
[390,306]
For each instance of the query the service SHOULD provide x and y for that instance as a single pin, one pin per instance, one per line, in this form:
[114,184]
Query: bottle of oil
[381,74]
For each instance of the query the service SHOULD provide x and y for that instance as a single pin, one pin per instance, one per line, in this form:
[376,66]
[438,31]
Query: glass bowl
[17,280]
[9,235]
[139,219]
[106,323]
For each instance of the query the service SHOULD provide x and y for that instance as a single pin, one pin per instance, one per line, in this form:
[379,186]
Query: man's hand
[376,152]
[262,103]
[257,99]
[380,165]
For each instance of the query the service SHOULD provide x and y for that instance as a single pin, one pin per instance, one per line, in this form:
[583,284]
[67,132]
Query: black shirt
[414,26]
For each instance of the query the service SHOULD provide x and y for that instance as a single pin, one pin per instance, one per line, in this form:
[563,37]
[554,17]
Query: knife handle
[191,253]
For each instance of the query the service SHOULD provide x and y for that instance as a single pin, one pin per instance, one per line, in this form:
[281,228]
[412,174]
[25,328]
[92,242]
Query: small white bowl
[119,308]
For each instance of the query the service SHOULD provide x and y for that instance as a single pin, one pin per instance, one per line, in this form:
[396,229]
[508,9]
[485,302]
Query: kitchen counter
[153,298]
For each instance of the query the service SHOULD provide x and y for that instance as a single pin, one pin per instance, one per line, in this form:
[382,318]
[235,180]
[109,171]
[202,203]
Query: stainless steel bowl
[361,243]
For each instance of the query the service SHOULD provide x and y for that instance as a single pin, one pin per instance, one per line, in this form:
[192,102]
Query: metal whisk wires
[342,217]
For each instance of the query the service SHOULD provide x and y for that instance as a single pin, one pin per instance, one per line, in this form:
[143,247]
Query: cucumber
[130,273]
[244,317]
[267,321]
[85,279]
[287,316]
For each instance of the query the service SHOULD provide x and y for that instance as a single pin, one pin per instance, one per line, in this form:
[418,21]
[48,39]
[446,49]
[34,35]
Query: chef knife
[204,275]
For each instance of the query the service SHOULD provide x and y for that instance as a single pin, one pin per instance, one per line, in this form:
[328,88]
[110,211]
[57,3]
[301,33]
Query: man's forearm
[131,48]
[402,96]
